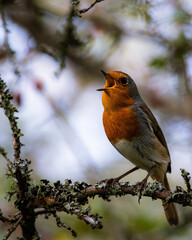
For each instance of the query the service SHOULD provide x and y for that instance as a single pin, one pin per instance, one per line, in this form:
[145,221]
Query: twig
[91,6]
[6,30]
[4,154]
[44,211]
[60,223]
[6,44]
[12,229]
[92,220]
[187,178]
[8,219]
[9,111]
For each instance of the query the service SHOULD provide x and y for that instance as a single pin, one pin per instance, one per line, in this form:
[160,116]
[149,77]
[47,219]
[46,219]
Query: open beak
[106,75]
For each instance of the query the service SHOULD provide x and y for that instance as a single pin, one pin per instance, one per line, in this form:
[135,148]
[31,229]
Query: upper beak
[105,75]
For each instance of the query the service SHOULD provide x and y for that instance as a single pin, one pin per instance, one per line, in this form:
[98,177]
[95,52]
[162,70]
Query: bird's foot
[109,182]
[142,186]
[144,183]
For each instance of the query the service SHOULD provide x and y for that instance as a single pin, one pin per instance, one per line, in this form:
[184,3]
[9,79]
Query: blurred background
[50,58]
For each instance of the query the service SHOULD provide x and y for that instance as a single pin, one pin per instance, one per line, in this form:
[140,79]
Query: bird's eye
[124,81]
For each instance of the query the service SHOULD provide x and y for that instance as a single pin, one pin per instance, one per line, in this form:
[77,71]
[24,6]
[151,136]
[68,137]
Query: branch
[153,190]
[12,229]
[11,220]
[9,111]
[4,154]
[19,170]
[186,176]
[80,192]
[60,223]
[91,6]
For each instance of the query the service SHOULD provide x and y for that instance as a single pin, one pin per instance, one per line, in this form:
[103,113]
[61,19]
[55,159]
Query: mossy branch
[81,192]
[10,111]
[19,170]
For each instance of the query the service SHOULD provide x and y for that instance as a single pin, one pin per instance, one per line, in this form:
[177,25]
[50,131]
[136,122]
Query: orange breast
[122,124]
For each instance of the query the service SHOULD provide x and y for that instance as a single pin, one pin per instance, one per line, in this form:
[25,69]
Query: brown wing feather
[156,129]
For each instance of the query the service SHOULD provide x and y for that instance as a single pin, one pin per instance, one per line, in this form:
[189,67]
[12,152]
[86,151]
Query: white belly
[143,155]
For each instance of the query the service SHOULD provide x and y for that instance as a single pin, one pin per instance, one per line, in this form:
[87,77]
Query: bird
[134,131]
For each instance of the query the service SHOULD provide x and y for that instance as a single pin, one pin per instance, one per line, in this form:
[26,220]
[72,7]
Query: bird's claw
[109,182]
[142,186]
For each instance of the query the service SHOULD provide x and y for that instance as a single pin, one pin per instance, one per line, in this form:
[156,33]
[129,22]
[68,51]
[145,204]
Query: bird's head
[119,91]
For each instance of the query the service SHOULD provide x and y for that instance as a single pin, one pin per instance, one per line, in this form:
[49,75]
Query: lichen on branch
[10,110]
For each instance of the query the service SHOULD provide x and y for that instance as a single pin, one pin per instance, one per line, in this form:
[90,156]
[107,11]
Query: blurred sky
[64,147]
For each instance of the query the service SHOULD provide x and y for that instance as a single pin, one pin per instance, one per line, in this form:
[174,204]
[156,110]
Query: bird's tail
[169,208]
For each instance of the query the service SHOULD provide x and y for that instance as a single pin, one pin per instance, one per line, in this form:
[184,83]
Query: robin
[133,130]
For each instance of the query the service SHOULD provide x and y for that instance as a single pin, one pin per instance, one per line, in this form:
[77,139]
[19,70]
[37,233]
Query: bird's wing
[153,124]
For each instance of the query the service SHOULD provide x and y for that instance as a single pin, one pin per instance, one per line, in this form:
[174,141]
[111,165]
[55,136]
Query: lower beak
[102,89]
